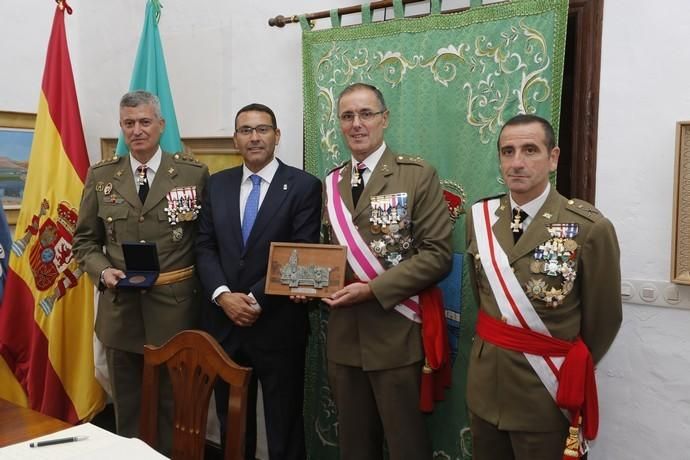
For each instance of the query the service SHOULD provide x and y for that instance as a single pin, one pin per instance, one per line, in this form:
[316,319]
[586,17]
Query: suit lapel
[232,189]
[376,183]
[162,183]
[537,233]
[277,191]
[123,183]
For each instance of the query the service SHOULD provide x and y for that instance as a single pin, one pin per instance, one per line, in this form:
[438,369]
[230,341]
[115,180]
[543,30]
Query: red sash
[577,388]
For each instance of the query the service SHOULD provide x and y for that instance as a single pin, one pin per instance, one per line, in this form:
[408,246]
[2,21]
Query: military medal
[107,189]
[177,234]
[536,266]
[516,224]
[141,175]
[99,187]
[556,257]
[388,217]
[137,279]
[183,205]
[378,247]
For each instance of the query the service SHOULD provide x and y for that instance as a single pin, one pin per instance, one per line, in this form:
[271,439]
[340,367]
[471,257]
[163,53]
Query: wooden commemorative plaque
[312,270]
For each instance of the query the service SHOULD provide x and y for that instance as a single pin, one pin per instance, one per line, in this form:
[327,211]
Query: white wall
[644,380]
[221,55]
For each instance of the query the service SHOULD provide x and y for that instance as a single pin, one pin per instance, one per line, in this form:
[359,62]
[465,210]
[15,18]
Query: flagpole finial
[62,4]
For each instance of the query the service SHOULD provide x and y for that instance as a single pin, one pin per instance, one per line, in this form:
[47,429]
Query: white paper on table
[101,445]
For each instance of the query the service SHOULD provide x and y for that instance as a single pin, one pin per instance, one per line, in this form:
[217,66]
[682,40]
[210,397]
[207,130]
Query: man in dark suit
[244,210]
[390,212]
[547,279]
[131,199]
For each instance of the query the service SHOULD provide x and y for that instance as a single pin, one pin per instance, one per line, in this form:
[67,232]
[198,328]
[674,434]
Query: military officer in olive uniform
[562,258]
[397,220]
[146,196]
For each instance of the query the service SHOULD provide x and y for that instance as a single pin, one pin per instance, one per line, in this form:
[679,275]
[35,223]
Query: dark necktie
[251,208]
[358,182]
[143,182]
[518,224]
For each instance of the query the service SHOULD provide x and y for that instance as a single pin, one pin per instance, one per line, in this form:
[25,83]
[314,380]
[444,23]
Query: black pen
[50,442]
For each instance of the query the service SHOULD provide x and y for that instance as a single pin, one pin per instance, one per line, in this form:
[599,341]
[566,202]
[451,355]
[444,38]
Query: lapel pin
[547,215]
[171,171]
[284,186]
[119,173]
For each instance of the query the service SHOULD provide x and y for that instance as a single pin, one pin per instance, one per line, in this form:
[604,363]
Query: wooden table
[20,424]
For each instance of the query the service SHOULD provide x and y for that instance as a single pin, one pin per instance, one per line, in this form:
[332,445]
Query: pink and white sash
[363,262]
[510,297]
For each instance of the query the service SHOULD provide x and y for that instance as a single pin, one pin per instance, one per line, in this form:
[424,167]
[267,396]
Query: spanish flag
[46,316]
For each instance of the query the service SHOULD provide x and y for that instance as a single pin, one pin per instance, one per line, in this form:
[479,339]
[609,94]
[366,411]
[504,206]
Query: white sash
[510,298]
[363,262]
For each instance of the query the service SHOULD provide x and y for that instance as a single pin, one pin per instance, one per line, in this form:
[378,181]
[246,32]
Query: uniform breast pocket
[115,221]
[172,235]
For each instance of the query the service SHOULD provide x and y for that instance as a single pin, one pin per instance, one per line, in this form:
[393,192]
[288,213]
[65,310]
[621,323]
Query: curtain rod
[281,21]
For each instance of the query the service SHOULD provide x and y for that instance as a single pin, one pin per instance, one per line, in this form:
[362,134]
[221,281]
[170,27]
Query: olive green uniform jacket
[110,214]
[372,335]
[502,387]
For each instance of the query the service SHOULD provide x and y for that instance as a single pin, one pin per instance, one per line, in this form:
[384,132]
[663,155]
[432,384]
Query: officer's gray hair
[355,86]
[140,97]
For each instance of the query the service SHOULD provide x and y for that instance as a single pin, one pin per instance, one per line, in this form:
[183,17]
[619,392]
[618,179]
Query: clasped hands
[242,309]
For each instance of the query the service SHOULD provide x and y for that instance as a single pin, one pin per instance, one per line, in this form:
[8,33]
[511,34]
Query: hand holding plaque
[311,270]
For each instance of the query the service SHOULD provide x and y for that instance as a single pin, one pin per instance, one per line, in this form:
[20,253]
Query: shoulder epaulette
[500,195]
[584,209]
[187,158]
[107,161]
[410,160]
[337,167]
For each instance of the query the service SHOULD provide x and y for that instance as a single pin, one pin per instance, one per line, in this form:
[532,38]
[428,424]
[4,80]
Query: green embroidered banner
[450,82]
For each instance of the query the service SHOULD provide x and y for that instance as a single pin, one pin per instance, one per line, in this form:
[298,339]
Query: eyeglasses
[248,130]
[364,115]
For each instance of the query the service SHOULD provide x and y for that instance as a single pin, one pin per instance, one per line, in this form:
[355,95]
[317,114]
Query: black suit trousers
[281,373]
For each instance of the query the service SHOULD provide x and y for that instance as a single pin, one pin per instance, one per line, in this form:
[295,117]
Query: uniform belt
[175,276]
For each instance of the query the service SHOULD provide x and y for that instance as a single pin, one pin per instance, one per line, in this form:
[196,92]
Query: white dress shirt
[532,208]
[151,167]
[266,174]
[370,162]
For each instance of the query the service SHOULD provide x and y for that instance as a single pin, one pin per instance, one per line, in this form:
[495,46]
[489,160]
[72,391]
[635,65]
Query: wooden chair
[194,360]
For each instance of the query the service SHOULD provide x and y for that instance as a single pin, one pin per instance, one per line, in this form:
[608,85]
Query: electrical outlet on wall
[656,293]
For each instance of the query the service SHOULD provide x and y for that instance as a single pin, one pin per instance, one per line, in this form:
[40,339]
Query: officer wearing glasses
[390,212]
[244,210]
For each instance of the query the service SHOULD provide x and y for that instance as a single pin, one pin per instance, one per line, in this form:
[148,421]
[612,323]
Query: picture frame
[16,136]
[680,254]
[311,270]
[217,153]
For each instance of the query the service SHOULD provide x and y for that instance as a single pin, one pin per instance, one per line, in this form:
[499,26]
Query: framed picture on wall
[16,136]
[680,256]
[217,153]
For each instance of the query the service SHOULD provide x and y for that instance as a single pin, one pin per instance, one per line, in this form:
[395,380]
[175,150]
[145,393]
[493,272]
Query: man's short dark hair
[526,119]
[256,107]
[141,97]
[355,86]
